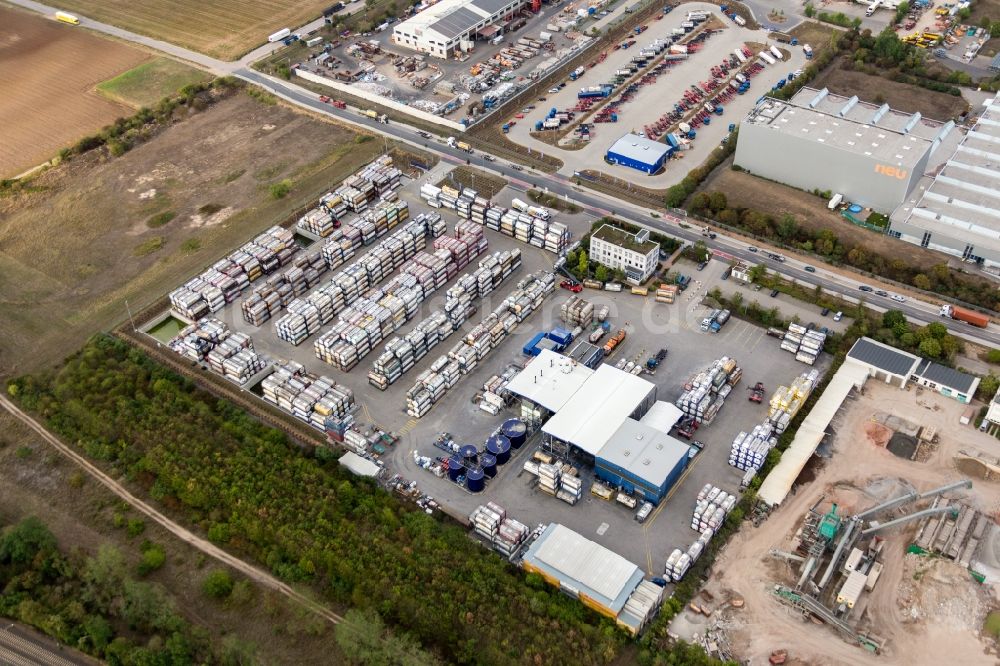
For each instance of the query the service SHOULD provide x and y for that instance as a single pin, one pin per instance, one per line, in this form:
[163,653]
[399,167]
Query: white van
[838,316]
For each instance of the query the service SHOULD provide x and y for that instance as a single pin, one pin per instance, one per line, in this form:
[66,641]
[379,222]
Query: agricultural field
[82,238]
[224,29]
[150,82]
[902,96]
[54,68]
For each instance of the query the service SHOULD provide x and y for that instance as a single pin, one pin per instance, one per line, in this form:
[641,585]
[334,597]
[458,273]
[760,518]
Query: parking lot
[657,98]
[649,325]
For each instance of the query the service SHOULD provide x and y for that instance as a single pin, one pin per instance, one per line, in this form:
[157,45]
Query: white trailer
[280,35]
[776,52]
[767,58]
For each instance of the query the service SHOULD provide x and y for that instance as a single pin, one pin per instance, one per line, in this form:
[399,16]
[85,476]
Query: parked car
[838,316]
[701,266]
[825,312]
[774,293]
[756,287]
[810,269]
[810,326]
[575,287]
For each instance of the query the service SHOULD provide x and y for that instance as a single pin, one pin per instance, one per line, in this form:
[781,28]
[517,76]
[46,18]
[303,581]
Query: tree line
[307,521]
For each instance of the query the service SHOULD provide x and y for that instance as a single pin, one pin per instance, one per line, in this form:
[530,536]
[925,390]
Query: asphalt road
[597,203]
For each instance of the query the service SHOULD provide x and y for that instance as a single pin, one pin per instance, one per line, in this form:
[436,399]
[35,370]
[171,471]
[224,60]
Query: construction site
[879,554]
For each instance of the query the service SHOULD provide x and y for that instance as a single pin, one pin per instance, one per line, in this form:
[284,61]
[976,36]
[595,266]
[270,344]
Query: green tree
[810,11]
[930,348]
[583,263]
[153,558]
[601,273]
[21,543]
[988,387]
[717,201]
[787,227]
[218,584]
[892,318]
[921,281]
[937,330]
[993,356]
[700,202]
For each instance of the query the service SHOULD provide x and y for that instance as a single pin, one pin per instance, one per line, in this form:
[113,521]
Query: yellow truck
[67,18]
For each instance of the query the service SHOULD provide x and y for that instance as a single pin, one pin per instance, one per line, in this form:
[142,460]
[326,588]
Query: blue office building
[642,460]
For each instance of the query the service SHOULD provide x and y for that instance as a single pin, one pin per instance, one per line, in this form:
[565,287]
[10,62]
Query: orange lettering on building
[891,171]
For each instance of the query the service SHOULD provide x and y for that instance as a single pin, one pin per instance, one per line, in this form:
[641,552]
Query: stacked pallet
[711,508]
[788,400]
[805,343]
[570,489]
[548,478]
[750,449]
[705,394]
[400,355]
[319,221]
[577,312]
[197,340]
[502,532]
[519,304]
[234,358]
[308,397]
[278,291]
[680,561]
[224,281]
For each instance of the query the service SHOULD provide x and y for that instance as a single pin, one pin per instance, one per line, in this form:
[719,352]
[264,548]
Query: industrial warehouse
[639,153]
[957,210]
[451,26]
[869,154]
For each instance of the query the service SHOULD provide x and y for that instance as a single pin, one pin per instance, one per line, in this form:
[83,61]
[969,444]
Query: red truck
[968,316]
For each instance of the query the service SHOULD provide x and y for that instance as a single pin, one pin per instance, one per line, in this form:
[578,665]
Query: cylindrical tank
[455,467]
[468,451]
[489,463]
[475,480]
[499,446]
[516,431]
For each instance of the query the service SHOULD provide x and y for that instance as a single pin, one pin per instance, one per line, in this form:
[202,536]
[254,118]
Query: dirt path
[248,570]
[902,609]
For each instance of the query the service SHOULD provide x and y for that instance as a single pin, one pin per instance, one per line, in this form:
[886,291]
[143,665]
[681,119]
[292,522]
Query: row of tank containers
[555,478]
[710,511]
[750,449]
[806,344]
[472,467]
[705,394]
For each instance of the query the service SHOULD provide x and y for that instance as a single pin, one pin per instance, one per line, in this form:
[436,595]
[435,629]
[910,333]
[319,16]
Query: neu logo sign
[890,171]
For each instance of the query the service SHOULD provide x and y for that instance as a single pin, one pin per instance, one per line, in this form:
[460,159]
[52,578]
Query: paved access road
[917,311]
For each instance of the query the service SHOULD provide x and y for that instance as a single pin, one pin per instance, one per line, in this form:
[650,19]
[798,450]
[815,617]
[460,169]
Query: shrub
[218,584]
[160,219]
[281,189]
[135,527]
[149,246]
[153,558]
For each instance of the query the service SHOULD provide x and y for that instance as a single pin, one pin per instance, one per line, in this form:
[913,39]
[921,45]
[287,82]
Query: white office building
[633,253]
[450,26]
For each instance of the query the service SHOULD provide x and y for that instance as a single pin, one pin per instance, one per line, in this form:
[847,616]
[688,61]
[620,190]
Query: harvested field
[150,82]
[746,191]
[224,29]
[53,68]
[814,33]
[92,232]
[901,96]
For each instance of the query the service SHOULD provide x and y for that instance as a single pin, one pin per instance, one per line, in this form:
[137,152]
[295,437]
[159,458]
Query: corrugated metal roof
[852,588]
[885,358]
[358,465]
[491,6]
[779,482]
[644,452]
[456,23]
[945,376]
[662,416]
[593,414]
[545,382]
[588,567]
[639,148]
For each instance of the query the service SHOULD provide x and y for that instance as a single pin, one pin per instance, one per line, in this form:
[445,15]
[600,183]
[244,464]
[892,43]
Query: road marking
[366,413]
[602,528]
[407,427]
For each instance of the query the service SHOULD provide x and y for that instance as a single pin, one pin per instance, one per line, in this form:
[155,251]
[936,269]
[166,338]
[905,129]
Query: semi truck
[67,18]
[280,35]
[961,314]
[461,145]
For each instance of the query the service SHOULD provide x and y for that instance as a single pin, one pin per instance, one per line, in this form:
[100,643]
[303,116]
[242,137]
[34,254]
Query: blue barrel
[516,431]
[468,451]
[476,480]
[456,467]
[854,208]
[489,463]
[499,447]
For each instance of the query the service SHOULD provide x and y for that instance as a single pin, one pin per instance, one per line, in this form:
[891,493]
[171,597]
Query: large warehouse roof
[644,452]
[585,567]
[639,148]
[963,199]
[550,380]
[885,358]
[851,125]
[449,19]
[593,414]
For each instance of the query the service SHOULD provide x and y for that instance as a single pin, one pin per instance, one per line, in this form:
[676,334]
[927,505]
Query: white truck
[280,35]
[519,205]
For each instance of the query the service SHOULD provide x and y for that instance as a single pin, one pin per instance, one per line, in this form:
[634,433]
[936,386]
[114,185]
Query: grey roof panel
[945,376]
[883,357]
[456,23]
[491,6]
[639,148]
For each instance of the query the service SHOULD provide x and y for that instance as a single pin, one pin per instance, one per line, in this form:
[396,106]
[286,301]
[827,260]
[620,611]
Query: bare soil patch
[48,71]
[74,249]
[901,96]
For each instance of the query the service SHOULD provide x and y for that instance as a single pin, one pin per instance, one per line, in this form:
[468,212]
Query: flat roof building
[898,367]
[547,383]
[600,578]
[634,254]
[451,25]
[869,153]
[638,152]
[589,418]
[641,459]
[957,209]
